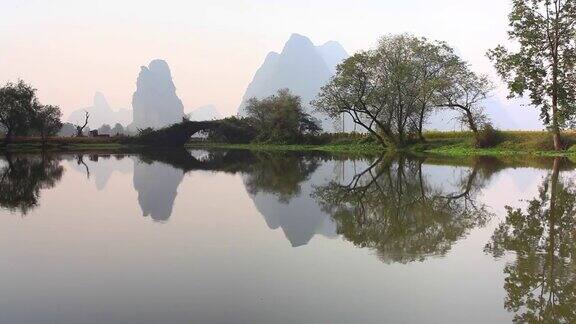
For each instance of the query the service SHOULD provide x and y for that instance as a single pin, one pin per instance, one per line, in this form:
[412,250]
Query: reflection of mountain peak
[300,218]
[157,186]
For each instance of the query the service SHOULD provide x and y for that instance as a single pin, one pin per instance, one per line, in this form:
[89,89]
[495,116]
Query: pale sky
[68,49]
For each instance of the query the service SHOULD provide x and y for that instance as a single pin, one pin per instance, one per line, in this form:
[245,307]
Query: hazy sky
[69,49]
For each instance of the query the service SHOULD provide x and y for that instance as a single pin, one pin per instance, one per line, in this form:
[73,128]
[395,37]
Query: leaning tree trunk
[473,127]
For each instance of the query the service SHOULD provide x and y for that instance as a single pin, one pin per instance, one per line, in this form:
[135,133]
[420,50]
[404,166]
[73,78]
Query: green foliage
[22,114]
[17,102]
[540,284]
[543,65]
[46,120]
[144,132]
[281,119]
[234,130]
[488,137]
[391,90]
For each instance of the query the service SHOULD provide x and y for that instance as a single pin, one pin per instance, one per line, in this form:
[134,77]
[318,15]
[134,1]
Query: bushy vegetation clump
[234,130]
[281,119]
[487,137]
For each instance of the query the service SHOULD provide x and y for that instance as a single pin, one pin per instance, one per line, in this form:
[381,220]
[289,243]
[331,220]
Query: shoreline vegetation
[510,143]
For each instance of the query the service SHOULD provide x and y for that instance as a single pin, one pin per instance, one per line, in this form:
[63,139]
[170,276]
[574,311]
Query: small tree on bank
[543,65]
[46,121]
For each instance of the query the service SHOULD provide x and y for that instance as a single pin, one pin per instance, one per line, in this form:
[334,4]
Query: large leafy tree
[378,89]
[17,103]
[543,64]
[392,89]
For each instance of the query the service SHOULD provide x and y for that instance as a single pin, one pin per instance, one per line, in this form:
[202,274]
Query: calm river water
[240,237]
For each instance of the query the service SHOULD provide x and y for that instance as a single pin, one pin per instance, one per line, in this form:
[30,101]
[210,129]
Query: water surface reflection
[541,282]
[285,237]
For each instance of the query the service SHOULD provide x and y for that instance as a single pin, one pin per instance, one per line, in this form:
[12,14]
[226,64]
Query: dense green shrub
[233,130]
[488,136]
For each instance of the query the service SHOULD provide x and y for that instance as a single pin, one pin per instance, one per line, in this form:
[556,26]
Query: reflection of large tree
[541,283]
[392,208]
[22,177]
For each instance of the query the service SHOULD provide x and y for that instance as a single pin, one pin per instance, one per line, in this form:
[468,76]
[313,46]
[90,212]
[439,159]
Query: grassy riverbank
[509,143]
[443,143]
[68,144]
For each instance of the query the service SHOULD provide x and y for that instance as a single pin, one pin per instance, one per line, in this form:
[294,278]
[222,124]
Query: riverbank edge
[376,149]
[354,149]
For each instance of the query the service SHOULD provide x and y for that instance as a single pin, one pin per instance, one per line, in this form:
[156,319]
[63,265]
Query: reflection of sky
[88,255]
[102,170]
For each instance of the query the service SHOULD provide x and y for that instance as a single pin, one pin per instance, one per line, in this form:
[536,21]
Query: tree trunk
[421,125]
[44,139]
[473,127]
[471,123]
[555,128]
[9,137]
[557,140]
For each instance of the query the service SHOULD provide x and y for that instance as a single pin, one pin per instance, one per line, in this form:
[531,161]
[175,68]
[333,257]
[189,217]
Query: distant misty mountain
[301,67]
[207,112]
[100,113]
[333,54]
[155,103]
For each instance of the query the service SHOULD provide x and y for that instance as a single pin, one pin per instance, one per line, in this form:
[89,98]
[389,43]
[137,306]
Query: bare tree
[80,129]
